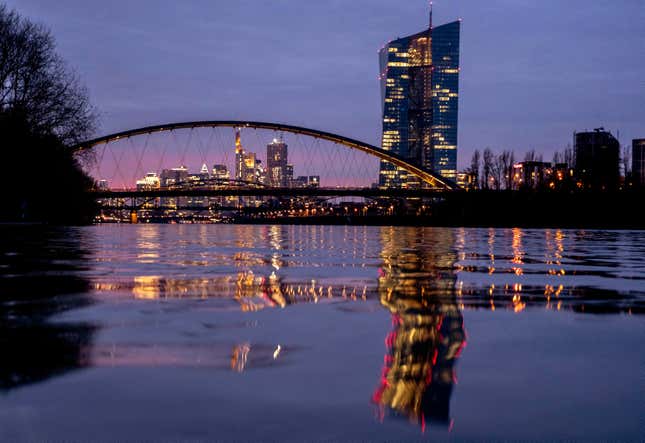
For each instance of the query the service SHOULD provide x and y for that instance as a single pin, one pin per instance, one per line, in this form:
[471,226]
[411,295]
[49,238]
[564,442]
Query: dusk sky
[532,71]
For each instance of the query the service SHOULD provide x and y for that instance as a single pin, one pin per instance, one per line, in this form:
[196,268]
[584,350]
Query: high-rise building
[239,155]
[638,162]
[289,174]
[246,163]
[277,163]
[597,160]
[420,94]
[250,164]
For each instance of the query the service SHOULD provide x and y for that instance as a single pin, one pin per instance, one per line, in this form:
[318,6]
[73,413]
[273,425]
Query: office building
[202,176]
[638,162]
[149,182]
[289,175]
[597,160]
[420,93]
[246,163]
[220,173]
[276,169]
[467,180]
[306,181]
[172,177]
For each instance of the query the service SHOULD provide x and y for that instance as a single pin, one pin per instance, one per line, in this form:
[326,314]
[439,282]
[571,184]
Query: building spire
[430,14]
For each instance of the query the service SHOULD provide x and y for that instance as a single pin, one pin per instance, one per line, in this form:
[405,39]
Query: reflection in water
[42,276]
[275,266]
[148,244]
[554,269]
[427,276]
[240,356]
[252,291]
[417,286]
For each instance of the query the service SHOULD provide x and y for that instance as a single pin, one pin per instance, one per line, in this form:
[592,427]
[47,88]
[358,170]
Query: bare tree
[509,162]
[532,156]
[36,84]
[502,170]
[489,160]
[43,110]
[475,165]
[498,172]
[569,157]
[565,156]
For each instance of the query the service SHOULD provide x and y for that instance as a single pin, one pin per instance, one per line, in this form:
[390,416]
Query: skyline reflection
[274,266]
[363,326]
[430,273]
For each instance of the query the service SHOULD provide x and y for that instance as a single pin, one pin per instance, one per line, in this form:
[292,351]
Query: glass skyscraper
[277,163]
[420,94]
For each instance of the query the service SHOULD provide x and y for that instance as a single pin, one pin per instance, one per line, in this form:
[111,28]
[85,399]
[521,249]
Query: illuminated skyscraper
[277,163]
[239,155]
[246,163]
[420,93]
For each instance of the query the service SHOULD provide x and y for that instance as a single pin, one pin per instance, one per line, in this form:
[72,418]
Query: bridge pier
[134,218]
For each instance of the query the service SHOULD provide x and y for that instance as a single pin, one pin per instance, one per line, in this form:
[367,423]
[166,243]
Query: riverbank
[620,210]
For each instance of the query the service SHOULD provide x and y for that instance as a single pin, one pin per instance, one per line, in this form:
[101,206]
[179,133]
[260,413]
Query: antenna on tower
[430,14]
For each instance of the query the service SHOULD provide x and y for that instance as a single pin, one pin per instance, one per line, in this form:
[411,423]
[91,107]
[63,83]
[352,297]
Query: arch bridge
[434,181]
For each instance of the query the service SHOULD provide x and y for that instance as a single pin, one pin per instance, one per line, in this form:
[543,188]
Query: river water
[231,332]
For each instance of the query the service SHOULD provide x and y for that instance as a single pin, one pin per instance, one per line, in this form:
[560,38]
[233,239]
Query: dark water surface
[228,332]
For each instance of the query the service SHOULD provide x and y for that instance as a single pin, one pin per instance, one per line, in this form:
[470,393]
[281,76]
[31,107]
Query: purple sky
[532,71]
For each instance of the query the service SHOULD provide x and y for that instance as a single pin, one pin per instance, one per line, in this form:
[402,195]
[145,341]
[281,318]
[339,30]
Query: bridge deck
[273,192]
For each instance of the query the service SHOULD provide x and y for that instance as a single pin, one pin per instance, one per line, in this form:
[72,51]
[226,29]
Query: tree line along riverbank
[589,210]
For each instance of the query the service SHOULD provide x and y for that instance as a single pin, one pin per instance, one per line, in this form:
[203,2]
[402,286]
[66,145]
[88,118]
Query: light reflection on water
[158,295]
[271,266]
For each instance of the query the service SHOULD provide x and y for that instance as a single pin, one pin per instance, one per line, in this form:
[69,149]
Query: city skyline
[518,91]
